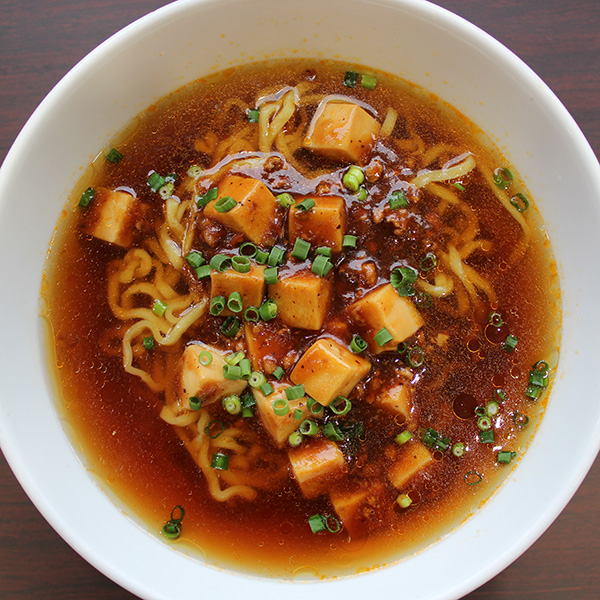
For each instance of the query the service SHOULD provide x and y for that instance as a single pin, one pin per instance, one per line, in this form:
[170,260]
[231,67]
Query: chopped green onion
[305,205]
[217,305]
[278,373]
[349,241]
[314,407]
[210,195]
[368,82]
[248,249]
[397,199]
[220,262]
[383,337]
[195,403]
[205,358]
[285,200]
[484,423]
[295,439]
[148,342]
[435,440]
[340,406]
[246,368]
[234,302]
[458,186]
[253,115]
[321,265]
[232,372]
[415,357]
[402,347]
[232,404]
[257,379]
[194,171]
[308,428]
[114,156]
[473,478]
[280,406]
[357,345]
[87,197]
[203,271]
[404,500]
[241,264]
[317,523]
[402,280]
[214,432]
[362,193]
[251,314]
[499,395]
[332,432]
[495,319]
[219,461]
[332,524]
[248,400]
[353,178]
[268,310]
[159,308]
[323,251]
[351,79]
[458,449]
[505,456]
[270,275]
[480,411]
[234,358]
[510,343]
[172,528]
[155,181]
[225,204]
[403,437]
[276,256]
[520,202]
[301,249]
[423,299]
[520,419]
[487,436]
[194,259]
[502,177]
[533,392]
[492,408]
[231,326]
[298,414]
[428,262]
[166,191]
[266,389]
[294,392]
[261,257]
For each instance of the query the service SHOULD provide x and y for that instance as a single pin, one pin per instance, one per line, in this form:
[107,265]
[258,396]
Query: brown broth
[140,458]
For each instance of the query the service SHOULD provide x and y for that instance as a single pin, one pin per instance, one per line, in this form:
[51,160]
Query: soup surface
[304,314]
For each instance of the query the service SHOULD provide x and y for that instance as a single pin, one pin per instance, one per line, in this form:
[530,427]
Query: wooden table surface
[40,40]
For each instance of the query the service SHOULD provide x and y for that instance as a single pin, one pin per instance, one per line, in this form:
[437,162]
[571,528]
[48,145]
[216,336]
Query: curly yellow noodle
[444,285]
[389,123]
[170,247]
[273,117]
[459,170]
[172,206]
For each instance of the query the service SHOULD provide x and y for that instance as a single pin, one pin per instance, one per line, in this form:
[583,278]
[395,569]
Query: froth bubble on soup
[305,318]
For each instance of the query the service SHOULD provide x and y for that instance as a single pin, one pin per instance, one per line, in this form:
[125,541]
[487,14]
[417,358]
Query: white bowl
[183,41]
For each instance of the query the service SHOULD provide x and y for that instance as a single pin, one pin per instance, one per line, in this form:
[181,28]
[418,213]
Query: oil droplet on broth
[464,406]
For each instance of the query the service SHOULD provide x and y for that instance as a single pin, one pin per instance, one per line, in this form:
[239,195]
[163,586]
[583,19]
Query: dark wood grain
[41,40]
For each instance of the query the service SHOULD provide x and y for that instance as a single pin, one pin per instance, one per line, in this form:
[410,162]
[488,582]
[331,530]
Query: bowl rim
[148,22]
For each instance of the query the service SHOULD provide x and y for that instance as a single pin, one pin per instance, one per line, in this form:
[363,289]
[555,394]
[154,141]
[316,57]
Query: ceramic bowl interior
[181,42]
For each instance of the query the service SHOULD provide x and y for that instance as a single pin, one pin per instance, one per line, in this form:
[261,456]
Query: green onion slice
[253,115]
[114,156]
[87,197]
[241,264]
[403,437]
[219,461]
[341,406]
[349,241]
[278,373]
[301,249]
[203,271]
[210,195]
[402,280]
[214,429]
[234,302]
[266,389]
[294,392]
[383,337]
[305,205]
[321,265]
[285,200]
[502,177]
[323,251]
[257,379]
[280,406]
[159,307]
[268,310]
[510,343]
[148,342]
[358,345]
[231,326]
[351,79]
[225,204]
[368,82]
[220,262]
[276,256]
[195,402]
[473,478]
[251,314]
[248,249]
[458,449]
[314,407]
[332,432]
[295,439]
[308,428]
[232,404]
[397,199]
[415,357]
[520,202]
[194,259]
[428,262]
[271,276]
[317,523]
[205,358]
[232,372]
[217,305]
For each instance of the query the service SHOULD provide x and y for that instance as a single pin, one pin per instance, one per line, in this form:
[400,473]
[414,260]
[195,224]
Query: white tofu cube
[411,458]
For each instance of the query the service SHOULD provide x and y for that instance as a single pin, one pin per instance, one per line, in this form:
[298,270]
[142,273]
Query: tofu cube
[328,370]
[250,285]
[255,214]
[280,427]
[323,225]
[396,399]
[342,132]
[360,509]
[383,307]
[315,464]
[205,382]
[411,458]
[302,299]
[114,217]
